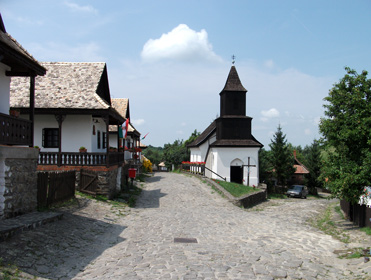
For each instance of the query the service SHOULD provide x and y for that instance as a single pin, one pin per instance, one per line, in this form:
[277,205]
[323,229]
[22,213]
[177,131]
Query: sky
[171,58]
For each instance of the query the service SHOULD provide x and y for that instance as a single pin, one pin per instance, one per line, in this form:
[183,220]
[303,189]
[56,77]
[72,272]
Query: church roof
[233,82]
[204,135]
[237,143]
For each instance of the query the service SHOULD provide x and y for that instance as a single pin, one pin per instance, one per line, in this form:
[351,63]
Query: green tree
[191,138]
[265,167]
[281,157]
[346,130]
[154,154]
[313,163]
[177,152]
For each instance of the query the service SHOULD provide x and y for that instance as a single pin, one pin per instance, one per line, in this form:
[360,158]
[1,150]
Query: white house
[132,140]
[227,146]
[72,108]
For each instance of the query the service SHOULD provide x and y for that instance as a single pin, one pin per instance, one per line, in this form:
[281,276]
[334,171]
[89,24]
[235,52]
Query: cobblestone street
[97,240]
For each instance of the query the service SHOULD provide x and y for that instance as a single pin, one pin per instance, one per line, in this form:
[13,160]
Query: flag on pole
[124,129]
[145,136]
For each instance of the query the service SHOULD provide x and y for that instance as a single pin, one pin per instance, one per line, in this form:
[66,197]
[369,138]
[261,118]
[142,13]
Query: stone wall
[18,181]
[246,201]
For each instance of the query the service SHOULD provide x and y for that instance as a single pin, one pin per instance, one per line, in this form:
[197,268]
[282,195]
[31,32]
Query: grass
[11,272]
[352,253]
[366,230]
[235,189]
[338,210]
[325,223]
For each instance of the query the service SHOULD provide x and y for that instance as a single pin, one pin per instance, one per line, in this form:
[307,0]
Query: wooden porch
[85,159]
[15,131]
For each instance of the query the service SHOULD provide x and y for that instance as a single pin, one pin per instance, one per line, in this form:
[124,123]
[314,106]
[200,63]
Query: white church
[227,146]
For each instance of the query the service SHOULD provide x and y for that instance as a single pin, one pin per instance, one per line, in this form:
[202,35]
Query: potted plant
[37,147]
[14,113]
[83,149]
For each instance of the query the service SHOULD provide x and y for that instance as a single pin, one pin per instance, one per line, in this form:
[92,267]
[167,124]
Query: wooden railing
[83,159]
[15,131]
[199,169]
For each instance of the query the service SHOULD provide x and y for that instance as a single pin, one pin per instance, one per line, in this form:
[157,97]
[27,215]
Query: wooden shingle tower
[227,145]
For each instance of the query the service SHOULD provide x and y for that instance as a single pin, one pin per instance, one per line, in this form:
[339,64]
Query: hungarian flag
[124,129]
[145,136]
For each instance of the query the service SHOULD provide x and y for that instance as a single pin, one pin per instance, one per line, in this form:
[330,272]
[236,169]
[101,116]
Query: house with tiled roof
[298,178]
[227,146]
[18,158]
[72,108]
[131,144]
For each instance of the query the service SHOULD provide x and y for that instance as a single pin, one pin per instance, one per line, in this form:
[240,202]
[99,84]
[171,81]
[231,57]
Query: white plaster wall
[225,156]
[113,140]
[77,131]
[100,125]
[4,89]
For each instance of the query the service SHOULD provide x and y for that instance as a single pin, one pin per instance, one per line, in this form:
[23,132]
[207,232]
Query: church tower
[227,145]
[233,122]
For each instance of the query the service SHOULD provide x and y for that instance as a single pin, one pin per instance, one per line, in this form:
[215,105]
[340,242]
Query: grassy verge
[325,223]
[236,190]
[366,230]
[12,272]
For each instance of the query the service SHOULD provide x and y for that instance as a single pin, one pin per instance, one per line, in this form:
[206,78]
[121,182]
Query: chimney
[294,153]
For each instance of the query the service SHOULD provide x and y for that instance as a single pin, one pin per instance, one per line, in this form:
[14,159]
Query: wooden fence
[55,187]
[360,215]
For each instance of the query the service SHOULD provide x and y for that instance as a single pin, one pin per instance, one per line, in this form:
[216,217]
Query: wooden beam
[32,108]
[18,74]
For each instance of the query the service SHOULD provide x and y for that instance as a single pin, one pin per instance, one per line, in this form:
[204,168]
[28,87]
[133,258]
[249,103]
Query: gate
[55,187]
[88,181]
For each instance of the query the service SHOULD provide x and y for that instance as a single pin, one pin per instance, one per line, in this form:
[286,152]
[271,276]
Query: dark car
[297,191]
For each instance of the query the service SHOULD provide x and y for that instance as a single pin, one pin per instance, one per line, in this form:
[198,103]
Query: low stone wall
[18,181]
[245,201]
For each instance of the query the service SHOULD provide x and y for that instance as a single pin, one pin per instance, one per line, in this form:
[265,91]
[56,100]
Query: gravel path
[106,241]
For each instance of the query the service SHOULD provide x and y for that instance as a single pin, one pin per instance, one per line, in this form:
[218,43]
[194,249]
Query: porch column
[106,120]
[60,119]
[118,137]
[32,106]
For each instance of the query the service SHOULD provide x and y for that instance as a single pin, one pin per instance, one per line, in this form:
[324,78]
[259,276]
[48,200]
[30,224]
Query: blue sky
[171,58]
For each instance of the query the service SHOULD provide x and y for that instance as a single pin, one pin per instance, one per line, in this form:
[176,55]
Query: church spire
[233,82]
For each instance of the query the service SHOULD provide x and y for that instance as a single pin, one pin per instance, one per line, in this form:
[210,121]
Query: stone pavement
[96,240]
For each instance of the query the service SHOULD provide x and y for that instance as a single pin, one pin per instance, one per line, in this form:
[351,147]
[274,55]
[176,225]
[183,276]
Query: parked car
[297,191]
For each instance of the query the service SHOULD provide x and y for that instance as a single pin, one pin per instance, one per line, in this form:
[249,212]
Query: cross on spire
[233,59]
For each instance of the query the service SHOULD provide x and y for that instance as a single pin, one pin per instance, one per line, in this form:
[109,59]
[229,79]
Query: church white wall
[223,158]
[4,89]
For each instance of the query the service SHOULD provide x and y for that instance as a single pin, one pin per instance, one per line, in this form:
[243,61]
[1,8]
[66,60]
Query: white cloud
[181,44]
[138,122]
[269,114]
[77,8]
[269,64]
[307,131]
